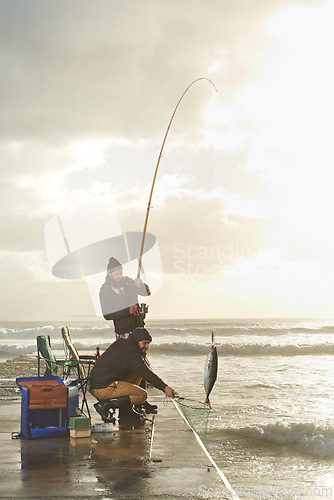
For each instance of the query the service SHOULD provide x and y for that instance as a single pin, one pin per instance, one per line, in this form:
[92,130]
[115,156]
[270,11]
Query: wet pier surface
[124,463]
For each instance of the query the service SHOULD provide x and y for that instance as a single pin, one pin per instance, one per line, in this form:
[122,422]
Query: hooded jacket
[121,358]
[116,299]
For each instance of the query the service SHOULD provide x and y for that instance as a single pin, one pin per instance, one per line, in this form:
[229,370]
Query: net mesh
[197,416]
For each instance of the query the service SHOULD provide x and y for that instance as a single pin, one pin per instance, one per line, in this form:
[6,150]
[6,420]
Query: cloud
[197,226]
[77,68]
[87,91]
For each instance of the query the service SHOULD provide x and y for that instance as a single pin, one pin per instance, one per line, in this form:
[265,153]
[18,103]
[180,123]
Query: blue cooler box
[44,403]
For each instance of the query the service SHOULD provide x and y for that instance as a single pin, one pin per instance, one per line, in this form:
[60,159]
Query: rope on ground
[221,475]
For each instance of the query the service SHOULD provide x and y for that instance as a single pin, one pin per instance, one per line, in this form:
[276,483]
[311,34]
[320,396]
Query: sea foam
[307,437]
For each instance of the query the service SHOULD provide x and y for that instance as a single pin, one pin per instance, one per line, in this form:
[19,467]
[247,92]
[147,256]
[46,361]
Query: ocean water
[271,428]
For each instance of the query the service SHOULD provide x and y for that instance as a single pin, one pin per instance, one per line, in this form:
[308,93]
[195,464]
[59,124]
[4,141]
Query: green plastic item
[79,423]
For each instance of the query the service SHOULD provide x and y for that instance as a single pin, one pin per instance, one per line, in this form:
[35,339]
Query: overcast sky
[243,204]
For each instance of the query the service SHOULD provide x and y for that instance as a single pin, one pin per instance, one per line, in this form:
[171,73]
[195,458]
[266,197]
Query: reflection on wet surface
[107,462]
[107,465]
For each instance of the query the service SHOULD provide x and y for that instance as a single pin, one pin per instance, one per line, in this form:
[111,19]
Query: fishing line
[221,475]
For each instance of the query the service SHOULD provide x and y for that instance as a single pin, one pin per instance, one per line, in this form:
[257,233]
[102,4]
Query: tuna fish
[210,373]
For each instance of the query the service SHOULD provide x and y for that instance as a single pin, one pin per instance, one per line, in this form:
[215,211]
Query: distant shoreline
[96,320]
[22,366]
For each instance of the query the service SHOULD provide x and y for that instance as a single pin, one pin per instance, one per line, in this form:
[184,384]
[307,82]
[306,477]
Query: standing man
[119,303]
[119,299]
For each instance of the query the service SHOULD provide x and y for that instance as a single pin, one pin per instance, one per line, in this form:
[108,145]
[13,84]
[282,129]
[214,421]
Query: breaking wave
[10,350]
[188,348]
[13,350]
[204,329]
[308,437]
[182,337]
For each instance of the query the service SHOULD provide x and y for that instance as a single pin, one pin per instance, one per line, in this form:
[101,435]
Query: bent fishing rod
[156,171]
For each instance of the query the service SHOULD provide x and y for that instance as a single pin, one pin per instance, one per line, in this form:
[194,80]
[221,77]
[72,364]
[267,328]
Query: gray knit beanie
[113,264]
[140,334]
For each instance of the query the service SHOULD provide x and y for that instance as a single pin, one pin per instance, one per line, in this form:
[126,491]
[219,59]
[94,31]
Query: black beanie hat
[140,334]
[113,264]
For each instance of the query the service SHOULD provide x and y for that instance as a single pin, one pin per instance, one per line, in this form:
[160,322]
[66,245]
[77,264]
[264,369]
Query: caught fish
[210,373]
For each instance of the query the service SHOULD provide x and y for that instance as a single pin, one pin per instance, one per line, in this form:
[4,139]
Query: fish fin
[207,402]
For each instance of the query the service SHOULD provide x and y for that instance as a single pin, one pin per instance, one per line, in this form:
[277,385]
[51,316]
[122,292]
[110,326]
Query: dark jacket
[116,300]
[121,358]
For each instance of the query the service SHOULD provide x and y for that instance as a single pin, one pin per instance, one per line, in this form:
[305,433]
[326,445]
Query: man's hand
[138,282]
[133,309]
[170,393]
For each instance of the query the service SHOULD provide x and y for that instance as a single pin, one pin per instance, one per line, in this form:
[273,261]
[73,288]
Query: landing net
[196,417]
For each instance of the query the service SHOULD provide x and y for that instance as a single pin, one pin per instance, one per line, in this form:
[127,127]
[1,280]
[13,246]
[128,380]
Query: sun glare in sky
[284,119]
[300,76]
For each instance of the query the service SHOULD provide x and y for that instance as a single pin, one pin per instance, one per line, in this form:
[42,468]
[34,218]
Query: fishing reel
[142,310]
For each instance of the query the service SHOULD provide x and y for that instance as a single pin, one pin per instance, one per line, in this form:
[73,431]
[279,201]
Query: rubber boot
[150,408]
[104,407]
[146,405]
[128,412]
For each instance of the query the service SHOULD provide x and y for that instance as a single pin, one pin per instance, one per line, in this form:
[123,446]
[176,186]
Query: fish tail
[207,402]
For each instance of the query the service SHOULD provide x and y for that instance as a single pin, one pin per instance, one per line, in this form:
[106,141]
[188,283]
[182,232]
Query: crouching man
[116,375]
